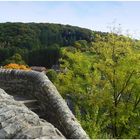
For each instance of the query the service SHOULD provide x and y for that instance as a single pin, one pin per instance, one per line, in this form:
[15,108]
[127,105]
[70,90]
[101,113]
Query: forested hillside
[38,43]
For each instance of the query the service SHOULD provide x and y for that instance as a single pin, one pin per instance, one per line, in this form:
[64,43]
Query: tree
[16,58]
[81,44]
[75,79]
[75,84]
[116,85]
[104,87]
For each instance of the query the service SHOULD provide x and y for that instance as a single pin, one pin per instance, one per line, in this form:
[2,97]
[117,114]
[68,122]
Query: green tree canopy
[16,58]
[105,86]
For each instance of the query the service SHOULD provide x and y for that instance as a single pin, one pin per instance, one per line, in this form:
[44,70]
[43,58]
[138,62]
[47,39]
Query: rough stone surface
[39,87]
[18,122]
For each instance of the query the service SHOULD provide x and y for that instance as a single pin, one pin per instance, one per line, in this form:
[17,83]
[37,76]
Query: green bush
[52,75]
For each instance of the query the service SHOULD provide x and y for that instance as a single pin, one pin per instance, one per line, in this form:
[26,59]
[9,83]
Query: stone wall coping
[68,121]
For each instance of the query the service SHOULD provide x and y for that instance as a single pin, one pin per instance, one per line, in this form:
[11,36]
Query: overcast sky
[93,15]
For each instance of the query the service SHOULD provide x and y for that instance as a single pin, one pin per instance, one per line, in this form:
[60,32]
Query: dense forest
[99,73]
[38,43]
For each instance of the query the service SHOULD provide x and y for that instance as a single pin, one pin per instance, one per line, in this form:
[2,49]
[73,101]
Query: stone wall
[38,86]
[18,122]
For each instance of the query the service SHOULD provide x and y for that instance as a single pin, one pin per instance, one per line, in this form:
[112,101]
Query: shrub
[16,66]
[52,75]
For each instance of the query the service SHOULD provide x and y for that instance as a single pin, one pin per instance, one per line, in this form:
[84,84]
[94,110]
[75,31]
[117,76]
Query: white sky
[89,14]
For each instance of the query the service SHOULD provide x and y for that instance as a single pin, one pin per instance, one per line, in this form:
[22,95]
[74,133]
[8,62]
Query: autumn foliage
[16,66]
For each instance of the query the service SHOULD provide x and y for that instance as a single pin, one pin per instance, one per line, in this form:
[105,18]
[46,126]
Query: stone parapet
[37,85]
[18,122]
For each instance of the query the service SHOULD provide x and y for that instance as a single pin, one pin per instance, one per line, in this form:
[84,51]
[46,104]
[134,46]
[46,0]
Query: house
[39,69]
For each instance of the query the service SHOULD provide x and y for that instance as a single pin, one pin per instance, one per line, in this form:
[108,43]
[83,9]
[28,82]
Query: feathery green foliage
[104,88]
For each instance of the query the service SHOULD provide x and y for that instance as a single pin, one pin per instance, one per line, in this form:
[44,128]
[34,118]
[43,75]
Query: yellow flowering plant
[16,66]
